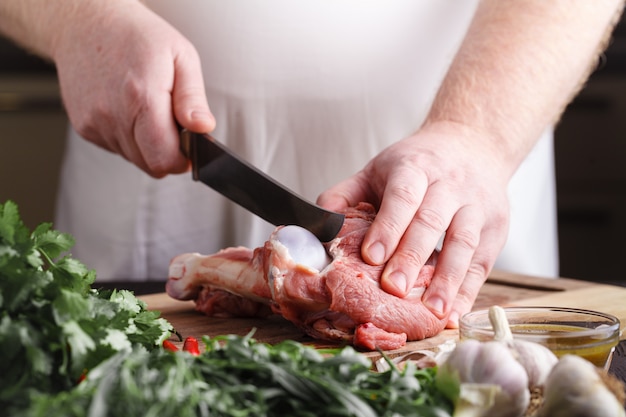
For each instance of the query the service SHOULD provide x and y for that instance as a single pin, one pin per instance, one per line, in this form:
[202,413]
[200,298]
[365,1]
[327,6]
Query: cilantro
[53,324]
[55,328]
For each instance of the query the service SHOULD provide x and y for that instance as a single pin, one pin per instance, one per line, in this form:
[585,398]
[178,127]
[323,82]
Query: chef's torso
[307,91]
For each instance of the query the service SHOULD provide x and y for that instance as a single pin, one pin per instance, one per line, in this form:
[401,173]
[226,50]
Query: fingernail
[435,304]
[376,252]
[399,281]
[200,115]
[453,320]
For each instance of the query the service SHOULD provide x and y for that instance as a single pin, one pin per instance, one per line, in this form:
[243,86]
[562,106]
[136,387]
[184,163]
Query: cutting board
[606,298]
[502,288]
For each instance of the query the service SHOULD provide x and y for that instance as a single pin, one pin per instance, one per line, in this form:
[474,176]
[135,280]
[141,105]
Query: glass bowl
[590,334]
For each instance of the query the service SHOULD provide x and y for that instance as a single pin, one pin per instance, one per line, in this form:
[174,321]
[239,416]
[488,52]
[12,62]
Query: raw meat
[339,299]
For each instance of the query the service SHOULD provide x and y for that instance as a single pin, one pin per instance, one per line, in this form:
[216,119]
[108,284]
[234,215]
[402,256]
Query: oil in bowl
[590,334]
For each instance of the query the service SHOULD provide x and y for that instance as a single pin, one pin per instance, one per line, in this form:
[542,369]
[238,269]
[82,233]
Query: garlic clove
[488,363]
[536,359]
[575,388]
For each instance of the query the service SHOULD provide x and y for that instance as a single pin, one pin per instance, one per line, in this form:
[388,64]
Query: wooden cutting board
[501,288]
[606,298]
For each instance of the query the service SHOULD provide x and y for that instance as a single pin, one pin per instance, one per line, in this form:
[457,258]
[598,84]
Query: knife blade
[218,167]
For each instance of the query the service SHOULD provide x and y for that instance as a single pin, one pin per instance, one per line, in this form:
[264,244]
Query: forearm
[35,24]
[38,25]
[519,66]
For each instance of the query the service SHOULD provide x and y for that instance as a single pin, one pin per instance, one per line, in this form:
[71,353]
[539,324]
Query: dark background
[590,143]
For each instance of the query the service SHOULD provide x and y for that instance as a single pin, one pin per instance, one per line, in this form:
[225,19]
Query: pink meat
[341,302]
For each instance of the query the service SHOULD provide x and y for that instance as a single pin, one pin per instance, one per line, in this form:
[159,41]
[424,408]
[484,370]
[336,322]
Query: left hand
[445,178]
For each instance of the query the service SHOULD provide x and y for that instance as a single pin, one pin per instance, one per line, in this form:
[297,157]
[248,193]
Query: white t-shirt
[309,92]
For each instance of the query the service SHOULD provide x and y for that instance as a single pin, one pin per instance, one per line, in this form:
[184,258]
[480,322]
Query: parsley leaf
[53,324]
[54,327]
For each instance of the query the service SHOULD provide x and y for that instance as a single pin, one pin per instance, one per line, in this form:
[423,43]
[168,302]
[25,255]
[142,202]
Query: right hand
[127,78]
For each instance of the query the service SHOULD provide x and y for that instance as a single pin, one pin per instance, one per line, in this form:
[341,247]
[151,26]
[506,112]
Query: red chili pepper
[191,345]
[82,376]
[170,346]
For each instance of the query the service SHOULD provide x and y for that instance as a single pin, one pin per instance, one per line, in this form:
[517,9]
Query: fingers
[346,194]
[189,97]
[415,248]
[429,191]
[467,294]
[396,213]
[187,107]
[468,252]
[147,135]
[460,246]
[492,240]
[470,246]
[418,234]
[156,136]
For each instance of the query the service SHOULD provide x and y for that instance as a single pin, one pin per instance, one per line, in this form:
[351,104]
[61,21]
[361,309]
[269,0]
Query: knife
[218,167]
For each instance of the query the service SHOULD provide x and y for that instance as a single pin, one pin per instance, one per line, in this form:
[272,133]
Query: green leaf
[127,301]
[71,273]
[117,339]
[80,342]
[54,326]
[10,223]
[69,306]
[51,242]
[52,323]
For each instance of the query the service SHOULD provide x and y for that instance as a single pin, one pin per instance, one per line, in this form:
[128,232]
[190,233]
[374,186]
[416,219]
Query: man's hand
[127,78]
[519,65]
[441,180]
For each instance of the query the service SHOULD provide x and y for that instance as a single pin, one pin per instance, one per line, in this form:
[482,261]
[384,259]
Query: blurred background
[590,157]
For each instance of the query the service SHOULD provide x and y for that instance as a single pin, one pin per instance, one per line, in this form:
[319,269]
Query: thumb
[347,193]
[189,101]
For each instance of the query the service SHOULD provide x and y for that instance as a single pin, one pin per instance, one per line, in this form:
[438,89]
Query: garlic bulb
[575,388]
[494,378]
[484,379]
[536,359]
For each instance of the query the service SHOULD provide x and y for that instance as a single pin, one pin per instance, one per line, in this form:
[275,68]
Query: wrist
[479,143]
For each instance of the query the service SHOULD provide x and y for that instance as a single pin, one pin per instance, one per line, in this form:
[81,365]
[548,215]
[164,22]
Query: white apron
[309,91]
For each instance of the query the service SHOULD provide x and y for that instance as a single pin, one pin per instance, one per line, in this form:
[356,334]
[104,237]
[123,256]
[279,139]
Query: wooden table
[502,288]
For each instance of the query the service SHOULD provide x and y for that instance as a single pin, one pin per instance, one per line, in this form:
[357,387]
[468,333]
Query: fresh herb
[73,351]
[53,325]
[237,376]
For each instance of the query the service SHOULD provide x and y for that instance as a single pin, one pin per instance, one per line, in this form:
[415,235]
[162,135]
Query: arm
[520,64]
[126,75]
